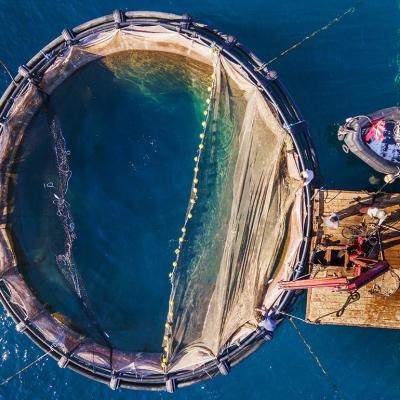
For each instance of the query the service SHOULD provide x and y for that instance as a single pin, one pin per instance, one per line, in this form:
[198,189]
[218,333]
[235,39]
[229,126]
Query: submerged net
[65,261]
[243,225]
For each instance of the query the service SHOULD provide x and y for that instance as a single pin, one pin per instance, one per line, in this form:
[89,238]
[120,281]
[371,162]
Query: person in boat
[376,131]
[332,221]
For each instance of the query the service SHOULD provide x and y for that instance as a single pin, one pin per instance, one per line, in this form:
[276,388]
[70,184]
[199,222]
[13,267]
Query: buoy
[389,178]
[170,385]
[24,71]
[62,362]
[20,327]
[68,35]
[114,383]
[223,368]
[373,180]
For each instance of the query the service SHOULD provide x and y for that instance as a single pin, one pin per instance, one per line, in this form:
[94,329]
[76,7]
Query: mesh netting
[244,229]
[65,261]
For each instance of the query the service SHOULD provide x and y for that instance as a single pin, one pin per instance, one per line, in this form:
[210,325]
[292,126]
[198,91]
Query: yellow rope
[167,340]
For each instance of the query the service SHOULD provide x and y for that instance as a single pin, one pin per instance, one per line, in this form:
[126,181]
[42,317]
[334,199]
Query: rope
[352,298]
[31,364]
[332,22]
[317,360]
[394,177]
[294,317]
[4,65]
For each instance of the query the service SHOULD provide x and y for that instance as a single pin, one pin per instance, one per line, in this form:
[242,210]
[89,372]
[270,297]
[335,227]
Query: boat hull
[352,135]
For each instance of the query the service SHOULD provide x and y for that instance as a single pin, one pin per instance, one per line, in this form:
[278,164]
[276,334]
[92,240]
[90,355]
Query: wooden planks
[372,310]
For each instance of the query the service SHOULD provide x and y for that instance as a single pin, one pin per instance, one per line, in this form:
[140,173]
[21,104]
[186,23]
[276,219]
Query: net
[243,225]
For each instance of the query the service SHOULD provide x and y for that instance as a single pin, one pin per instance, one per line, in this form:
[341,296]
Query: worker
[267,324]
[332,221]
[307,176]
[375,212]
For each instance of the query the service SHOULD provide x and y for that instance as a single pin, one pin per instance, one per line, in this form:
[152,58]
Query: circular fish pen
[248,212]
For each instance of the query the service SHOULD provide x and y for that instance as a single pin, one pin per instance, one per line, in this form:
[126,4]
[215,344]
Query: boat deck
[372,309]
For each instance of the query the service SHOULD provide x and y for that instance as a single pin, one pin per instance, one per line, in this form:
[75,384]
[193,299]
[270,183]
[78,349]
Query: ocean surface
[351,69]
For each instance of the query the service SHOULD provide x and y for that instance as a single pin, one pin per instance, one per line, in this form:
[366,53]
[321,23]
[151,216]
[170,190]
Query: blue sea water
[351,69]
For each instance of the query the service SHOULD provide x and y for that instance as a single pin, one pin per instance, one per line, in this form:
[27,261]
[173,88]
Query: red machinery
[340,284]
[365,269]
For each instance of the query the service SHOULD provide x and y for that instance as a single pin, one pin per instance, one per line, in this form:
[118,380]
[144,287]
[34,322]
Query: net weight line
[167,339]
[332,22]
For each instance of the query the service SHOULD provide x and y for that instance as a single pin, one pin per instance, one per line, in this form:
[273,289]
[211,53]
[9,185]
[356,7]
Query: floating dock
[379,301]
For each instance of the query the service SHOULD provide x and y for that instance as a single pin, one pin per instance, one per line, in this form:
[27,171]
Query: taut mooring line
[332,22]
[317,360]
[4,65]
[31,364]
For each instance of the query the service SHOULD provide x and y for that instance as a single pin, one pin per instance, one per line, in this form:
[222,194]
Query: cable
[293,316]
[4,65]
[352,298]
[31,364]
[317,360]
[332,22]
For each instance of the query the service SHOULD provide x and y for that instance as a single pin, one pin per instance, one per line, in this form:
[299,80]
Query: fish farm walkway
[378,304]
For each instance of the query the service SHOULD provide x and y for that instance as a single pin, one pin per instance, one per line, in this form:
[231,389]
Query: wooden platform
[371,310]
